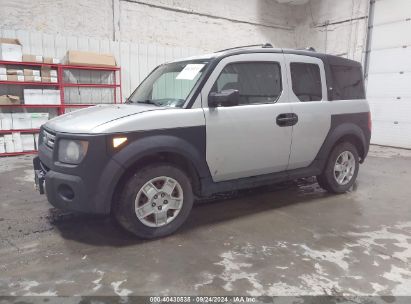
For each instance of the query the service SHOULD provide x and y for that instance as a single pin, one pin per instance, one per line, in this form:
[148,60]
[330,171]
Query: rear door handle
[287,119]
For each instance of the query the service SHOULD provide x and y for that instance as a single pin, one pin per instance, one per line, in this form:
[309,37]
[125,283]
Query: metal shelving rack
[60,84]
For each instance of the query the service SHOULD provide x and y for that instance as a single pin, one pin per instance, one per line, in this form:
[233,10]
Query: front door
[251,138]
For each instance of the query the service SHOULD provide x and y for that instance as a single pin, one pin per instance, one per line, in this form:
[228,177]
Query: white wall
[334,27]
[235,23]
[88,18]
[207,25]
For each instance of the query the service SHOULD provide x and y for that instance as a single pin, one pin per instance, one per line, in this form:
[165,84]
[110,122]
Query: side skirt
[208,187]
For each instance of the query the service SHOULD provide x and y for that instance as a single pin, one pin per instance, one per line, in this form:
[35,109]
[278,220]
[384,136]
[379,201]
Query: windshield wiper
[149,101]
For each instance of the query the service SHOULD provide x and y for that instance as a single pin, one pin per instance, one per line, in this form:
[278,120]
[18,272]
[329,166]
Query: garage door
[389,73]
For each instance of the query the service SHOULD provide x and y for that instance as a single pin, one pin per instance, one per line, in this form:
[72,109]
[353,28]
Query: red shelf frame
[114,85]
[33,83]
[20,131]
[94,85]
[61,108]
[31,105]
[19,153]
[23,63]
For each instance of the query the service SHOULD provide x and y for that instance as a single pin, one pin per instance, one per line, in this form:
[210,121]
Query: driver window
[306,81]
[257,82]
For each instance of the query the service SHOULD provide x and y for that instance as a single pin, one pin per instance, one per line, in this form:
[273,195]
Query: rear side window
[347,82]
[257,82]
[306,81]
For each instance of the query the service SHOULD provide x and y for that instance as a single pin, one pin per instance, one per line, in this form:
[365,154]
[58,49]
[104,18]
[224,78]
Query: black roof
[267,48]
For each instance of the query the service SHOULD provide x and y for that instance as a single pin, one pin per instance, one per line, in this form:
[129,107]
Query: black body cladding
[95,179]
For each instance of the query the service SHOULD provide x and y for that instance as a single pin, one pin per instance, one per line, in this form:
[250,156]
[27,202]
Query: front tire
[155,201]
[341,169]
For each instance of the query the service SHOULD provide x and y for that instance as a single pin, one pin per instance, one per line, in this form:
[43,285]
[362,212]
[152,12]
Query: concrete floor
[292,239]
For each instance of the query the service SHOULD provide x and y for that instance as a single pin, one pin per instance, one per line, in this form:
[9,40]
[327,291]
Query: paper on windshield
[190,71]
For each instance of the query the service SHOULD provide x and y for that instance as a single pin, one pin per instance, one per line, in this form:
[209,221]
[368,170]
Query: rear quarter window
[306,81]
[348,82]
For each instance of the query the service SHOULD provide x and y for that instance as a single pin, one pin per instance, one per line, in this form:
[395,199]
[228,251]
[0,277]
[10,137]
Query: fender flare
[162,144]
[345,129]
[141,148]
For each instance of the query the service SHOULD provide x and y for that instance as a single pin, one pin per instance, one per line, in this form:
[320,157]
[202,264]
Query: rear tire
[341,169]
[155,201]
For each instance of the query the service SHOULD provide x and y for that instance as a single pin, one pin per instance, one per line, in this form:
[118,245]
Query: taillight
[369,121]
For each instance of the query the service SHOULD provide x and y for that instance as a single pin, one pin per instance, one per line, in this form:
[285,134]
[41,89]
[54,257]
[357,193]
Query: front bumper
[39,175]
[87,187]
[63,191]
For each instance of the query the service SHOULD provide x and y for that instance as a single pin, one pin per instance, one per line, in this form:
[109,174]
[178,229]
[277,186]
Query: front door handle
[287,119]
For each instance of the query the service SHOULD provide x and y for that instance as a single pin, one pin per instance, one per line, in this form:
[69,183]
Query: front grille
[48,139]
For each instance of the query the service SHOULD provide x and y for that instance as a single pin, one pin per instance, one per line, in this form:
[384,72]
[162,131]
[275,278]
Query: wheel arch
[349,132]
[162,149]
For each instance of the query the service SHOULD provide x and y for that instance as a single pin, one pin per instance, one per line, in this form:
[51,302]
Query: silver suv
[235,119]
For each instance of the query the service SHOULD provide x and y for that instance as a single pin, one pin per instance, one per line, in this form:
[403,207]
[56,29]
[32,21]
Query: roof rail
[265,45]
[310,48]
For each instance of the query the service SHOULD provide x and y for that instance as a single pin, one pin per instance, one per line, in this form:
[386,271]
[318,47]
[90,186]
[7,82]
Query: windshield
[170,84]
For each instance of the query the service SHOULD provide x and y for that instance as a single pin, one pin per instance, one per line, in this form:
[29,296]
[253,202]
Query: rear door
[308,99]
[245,140]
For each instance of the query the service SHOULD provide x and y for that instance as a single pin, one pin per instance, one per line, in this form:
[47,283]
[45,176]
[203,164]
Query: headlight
[72,151]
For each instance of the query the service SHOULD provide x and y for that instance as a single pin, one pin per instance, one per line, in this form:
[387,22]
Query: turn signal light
[118,141]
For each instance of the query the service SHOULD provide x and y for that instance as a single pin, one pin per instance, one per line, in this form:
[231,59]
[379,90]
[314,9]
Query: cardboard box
[33,96]
[89,59]
[38,119]
[8,143]
[30,72]
[51,96]
[85,96]
[3,77]
[97,95]
[51,60]
[32,58]
[3,70]
[73,95]
[6,121]
[71,76]
[14,72]
[9,99]
[27,141]
[15,78]
[21,121]
[45,72]
[32,78]
[10,49]
[18,146]
[107,96]
[49,79]
[2,147]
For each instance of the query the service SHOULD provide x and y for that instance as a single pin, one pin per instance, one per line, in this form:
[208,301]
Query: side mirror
[225,98]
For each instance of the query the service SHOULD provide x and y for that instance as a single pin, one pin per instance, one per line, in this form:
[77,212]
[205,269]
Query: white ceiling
[293,2]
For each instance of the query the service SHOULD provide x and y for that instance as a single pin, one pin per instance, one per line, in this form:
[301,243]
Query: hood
[85,120]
